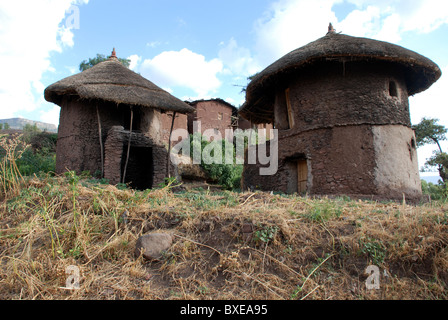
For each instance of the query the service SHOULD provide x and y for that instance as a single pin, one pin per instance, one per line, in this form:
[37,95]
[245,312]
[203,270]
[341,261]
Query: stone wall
[151,162]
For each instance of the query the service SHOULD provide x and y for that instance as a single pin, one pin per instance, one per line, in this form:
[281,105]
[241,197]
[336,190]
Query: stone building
[219,115]
[341,108]
[116,123]
[214,115]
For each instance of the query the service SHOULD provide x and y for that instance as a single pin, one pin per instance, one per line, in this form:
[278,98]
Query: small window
[284,118]
[288,105]
[393,90]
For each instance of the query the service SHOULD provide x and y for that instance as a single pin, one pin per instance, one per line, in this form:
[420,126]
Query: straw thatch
[420,72]
[111,81]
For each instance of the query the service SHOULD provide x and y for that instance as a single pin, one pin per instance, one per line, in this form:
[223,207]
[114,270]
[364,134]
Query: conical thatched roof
[420,72]
[112,81]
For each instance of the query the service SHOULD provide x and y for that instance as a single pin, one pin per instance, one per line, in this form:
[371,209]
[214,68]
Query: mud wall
[397,170]
[180,122]
[365,161]
[78,146]
[343,94]
[212,115]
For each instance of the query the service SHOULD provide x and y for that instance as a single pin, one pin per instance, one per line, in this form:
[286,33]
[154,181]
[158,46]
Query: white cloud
[29,31]
[135,60]
[290,24]
[237,60]
[230,100]
[51,115]
[185,69]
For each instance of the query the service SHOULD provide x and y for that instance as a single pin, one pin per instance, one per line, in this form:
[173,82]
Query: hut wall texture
[353,130]
[366,161]
[78,146]
[344,95]
[209,113]
[179,123]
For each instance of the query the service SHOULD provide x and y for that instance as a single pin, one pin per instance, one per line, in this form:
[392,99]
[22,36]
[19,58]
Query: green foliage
[375,249]
[37,162]
[41,157]
[227,175]
[435,191]
[265,234]
[87,64]
[440,161]
[6,126]
[428,131]
[324,211]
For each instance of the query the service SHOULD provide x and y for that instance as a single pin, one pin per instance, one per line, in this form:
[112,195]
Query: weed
[11,150]
[266,234]
[323,211]
[375,249]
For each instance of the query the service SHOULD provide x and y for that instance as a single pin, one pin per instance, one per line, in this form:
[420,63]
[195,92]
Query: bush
[41,157]
[435,191]
[226,175]
[41,161]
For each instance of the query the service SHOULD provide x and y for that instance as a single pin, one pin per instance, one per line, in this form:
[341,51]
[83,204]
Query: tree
[87,64]
[428,132]
[6,126]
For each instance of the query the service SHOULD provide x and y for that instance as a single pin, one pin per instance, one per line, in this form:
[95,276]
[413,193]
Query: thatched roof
[420,72]
[111,81]
[219,100]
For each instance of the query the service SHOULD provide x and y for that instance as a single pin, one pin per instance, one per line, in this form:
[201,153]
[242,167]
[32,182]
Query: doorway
[297,171]
[140,169]
[302,176]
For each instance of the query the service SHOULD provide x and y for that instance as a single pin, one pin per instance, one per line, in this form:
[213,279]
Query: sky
[201,49]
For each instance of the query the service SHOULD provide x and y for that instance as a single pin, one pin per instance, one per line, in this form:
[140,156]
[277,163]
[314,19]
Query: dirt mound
[226,245]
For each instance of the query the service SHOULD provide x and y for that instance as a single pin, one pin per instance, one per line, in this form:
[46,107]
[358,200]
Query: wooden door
[302,176]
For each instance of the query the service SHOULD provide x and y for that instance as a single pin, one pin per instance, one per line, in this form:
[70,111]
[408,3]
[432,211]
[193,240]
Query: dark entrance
[140,169]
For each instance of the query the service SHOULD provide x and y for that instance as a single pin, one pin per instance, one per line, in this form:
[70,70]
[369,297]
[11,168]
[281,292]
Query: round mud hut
[341,108]
[110,124]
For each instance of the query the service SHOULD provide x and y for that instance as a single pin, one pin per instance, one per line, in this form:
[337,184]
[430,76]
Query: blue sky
[200,49]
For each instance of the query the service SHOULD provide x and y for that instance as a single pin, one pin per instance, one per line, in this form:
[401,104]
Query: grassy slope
[226,245]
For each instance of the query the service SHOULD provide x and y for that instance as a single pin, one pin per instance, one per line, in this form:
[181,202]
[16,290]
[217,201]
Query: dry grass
[226,245]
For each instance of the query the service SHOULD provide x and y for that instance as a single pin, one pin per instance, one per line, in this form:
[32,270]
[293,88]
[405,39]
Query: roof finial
[331,29]
[114,54]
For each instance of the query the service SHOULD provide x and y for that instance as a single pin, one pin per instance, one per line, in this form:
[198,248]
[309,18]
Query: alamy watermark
[214,153]
[72,280]
[72,21]
[373,280]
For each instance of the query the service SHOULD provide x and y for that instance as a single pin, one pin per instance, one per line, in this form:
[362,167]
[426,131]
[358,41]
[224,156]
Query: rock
[152,245]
